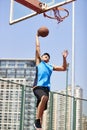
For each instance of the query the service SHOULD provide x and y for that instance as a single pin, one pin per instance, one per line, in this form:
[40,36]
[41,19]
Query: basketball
[43,31]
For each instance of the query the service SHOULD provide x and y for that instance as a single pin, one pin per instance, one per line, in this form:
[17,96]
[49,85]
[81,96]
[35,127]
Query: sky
[18,41]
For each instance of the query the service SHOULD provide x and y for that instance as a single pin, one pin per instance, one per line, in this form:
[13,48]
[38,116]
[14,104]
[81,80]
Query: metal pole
[74,114]
[66,96]
[73,59]
[51,111]
[22,109]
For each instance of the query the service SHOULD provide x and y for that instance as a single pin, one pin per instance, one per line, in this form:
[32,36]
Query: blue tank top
[43,74]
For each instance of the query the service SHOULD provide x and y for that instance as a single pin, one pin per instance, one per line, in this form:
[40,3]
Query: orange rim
[57,15]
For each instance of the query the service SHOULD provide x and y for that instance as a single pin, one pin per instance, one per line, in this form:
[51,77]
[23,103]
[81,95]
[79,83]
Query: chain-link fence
[18,108]
[60,113]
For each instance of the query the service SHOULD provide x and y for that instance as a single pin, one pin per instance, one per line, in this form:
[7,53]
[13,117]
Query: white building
[17,102]
[61,106]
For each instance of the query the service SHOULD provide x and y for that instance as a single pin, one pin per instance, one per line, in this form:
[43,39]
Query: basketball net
[57,16]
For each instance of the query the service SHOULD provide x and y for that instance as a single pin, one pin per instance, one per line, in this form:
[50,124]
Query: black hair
[47,54]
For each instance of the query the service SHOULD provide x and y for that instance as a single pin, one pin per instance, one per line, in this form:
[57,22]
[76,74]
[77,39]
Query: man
[41,86]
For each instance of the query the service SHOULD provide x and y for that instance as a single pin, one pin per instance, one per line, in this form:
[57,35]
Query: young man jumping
[42,85]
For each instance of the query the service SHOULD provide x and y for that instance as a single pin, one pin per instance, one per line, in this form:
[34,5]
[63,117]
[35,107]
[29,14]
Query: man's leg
[40,110]
[41,106]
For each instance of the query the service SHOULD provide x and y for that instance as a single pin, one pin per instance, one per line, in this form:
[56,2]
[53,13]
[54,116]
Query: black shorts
[39,92]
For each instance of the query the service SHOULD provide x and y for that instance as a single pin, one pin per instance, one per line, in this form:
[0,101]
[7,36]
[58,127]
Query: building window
[3,64]
[21,64]
[20,73]
[10,73]
[11,63]
[2,73]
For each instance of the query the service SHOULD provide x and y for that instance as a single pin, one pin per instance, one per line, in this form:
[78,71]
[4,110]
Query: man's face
[45,58]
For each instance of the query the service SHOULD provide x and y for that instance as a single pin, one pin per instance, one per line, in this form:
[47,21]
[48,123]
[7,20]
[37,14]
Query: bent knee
[44,98]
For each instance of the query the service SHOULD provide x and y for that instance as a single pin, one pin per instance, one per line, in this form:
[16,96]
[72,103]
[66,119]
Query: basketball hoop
[57,14]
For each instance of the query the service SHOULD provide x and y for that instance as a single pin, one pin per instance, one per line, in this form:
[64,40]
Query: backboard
[24,9]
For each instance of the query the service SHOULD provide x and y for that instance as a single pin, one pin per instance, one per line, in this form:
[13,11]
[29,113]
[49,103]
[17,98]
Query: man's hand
[65,53]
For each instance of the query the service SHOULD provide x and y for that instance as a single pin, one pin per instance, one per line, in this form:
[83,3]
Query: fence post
[22,109]
[51,111]
[74,114]
[66,96]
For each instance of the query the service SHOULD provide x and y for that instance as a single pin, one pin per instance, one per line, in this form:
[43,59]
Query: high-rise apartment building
[84,122]
[17,102]
[78,94]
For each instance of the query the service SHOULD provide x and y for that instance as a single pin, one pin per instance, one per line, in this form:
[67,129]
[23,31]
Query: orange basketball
[43,31]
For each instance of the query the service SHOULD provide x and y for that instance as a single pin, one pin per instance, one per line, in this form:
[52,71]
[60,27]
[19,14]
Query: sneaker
[37,124]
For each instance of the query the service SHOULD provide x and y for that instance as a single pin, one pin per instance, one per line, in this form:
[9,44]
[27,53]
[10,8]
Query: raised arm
[37,54]
[64,66]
